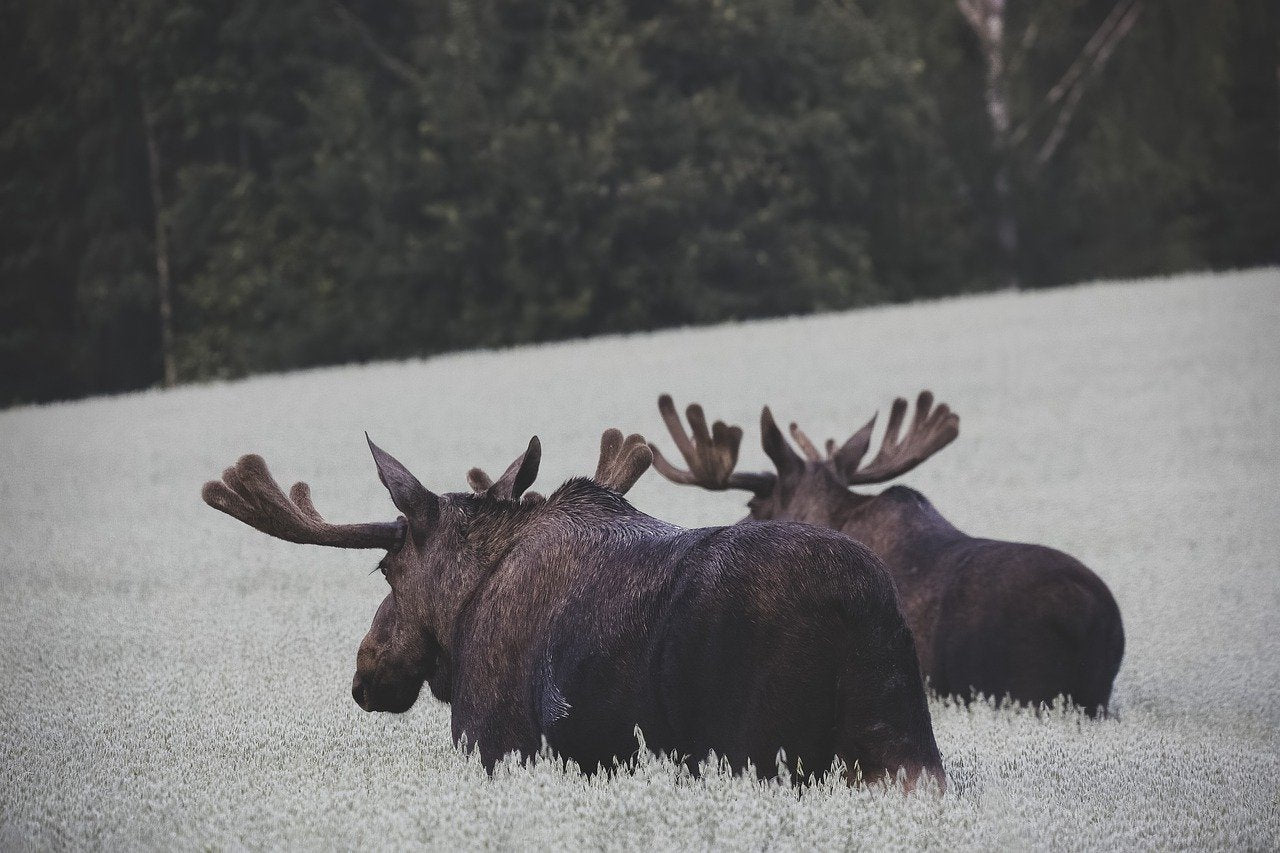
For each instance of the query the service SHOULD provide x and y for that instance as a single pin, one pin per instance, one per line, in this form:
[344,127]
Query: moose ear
[786,460]
[847,459]
[519,475]
[528,471]
[410,497]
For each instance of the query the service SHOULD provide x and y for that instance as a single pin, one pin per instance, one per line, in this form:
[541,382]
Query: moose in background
[989,617]
[576,617]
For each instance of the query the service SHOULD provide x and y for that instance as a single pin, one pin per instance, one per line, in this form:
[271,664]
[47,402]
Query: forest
[194,190]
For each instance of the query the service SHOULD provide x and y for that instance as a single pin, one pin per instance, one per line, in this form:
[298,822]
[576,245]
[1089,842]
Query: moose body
[989,617]
[576,617]
[702,640]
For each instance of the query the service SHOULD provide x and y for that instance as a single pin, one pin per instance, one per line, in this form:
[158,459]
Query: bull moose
[576,618]
[989,617]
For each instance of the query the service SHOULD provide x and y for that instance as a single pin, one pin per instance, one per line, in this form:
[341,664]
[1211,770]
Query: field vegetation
[173,679]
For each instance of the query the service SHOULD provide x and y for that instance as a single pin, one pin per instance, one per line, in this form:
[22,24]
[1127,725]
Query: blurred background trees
[317,181]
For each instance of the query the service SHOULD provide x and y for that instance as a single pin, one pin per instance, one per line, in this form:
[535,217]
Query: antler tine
[300,494]
[478,480]
[622,461]
[930,431]
[610,444]
[249,494]
[710,454]
[807,446]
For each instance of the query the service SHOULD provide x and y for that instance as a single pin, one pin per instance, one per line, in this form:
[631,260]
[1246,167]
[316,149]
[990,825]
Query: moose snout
[359,693]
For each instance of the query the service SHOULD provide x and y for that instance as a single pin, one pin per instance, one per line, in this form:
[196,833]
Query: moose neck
[506,540]
[485,530]
[820,499]
[896,519]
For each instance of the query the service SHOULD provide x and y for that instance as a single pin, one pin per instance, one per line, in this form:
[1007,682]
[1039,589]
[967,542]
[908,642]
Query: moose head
[813,488]
[436,552]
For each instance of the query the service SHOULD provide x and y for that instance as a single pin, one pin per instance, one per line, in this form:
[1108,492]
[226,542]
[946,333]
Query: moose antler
[248,493]
[806,446]
[710,454]
[622,461]
[930,431]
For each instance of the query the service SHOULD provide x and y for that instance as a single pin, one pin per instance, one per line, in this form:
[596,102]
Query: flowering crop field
[173,678]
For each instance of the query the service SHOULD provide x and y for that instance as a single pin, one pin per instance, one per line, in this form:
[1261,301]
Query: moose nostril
[358,693]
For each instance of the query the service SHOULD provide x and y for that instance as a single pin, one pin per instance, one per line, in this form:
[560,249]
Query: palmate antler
[930,431]
[622,461]
[710,454]
[248,493]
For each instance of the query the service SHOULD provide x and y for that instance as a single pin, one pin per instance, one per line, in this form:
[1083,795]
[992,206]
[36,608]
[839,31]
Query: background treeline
[297,182]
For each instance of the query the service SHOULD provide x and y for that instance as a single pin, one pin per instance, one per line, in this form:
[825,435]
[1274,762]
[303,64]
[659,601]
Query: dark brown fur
[989,617]
[576,617]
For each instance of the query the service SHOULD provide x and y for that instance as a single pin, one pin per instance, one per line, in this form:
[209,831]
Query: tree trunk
[164,289]
[986,17]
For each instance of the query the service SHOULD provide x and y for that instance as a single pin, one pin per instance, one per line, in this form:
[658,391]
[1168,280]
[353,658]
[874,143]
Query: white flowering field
[172,678]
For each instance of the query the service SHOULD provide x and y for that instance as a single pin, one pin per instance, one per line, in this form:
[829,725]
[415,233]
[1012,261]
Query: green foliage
[353,181]
[1145,186]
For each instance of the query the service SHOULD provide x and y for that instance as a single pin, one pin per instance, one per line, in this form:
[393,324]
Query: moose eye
[404,534]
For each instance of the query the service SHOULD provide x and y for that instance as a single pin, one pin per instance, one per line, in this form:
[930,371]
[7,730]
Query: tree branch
[969,8]
[1073,71]
[1091,48]
[1028,40]
[1102,54]
[1092,56]
[397,67]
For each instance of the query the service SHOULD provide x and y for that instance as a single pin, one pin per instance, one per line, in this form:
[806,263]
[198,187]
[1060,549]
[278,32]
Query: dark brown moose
[989,617]
[576,618]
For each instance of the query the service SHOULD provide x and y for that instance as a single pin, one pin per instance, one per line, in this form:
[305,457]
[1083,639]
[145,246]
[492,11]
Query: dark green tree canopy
[342,180]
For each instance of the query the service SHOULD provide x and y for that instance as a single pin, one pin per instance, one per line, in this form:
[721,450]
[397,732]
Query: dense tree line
[298,182]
